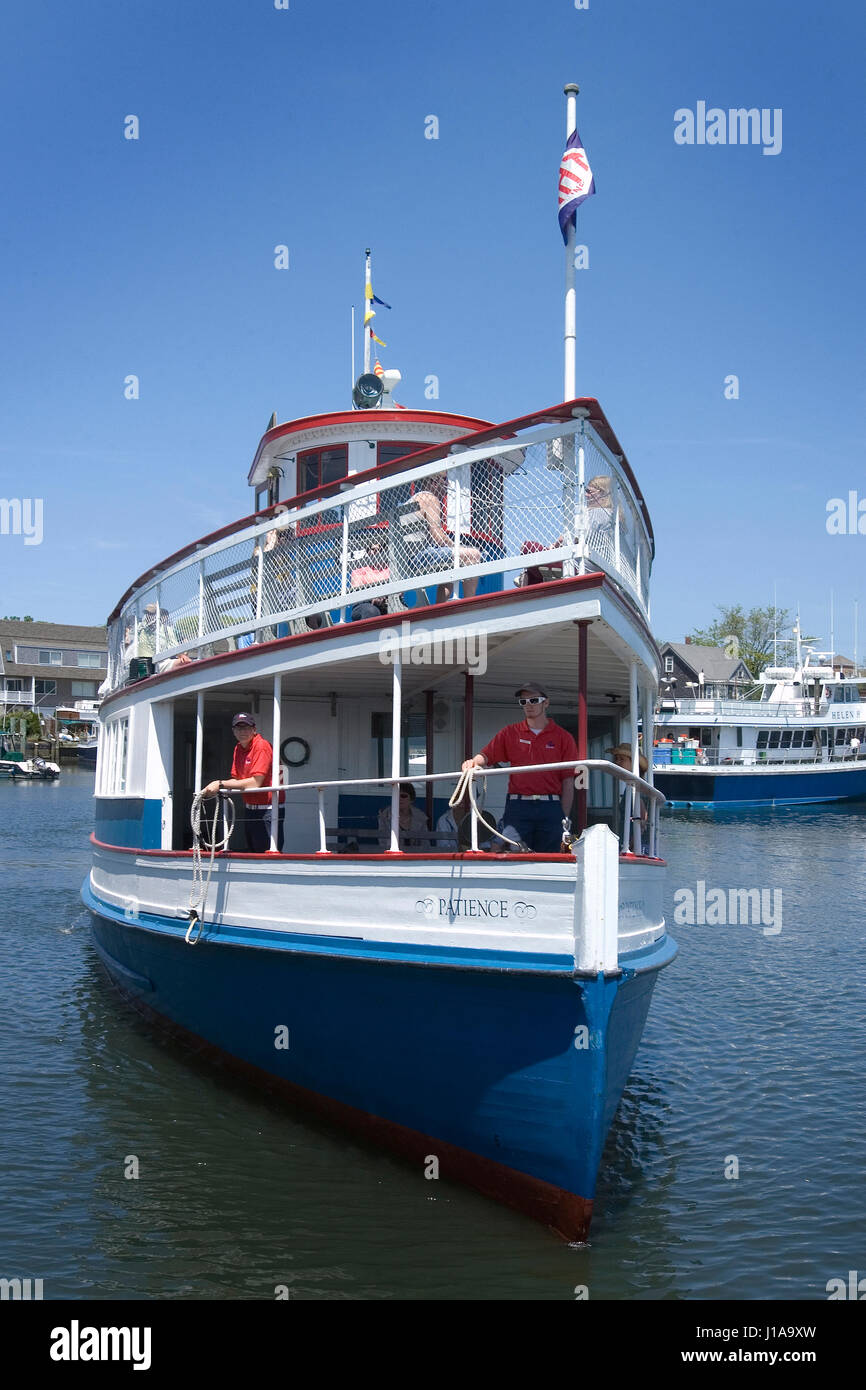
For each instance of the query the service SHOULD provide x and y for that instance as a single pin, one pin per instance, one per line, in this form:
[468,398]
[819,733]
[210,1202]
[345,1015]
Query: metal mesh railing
[552,497]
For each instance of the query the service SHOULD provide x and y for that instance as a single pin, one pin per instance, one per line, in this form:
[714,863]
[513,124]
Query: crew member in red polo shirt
[537,801]
[252,767]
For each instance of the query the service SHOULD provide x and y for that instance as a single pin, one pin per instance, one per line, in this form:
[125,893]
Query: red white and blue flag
[576,182]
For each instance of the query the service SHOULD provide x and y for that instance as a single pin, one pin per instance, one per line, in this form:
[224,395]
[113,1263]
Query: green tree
[34,723]
[745,636]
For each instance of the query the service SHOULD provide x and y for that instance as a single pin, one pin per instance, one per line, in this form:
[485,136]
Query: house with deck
[51,667]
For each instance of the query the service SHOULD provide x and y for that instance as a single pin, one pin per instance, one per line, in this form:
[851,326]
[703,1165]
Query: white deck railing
[759,757]
[555,487]
[745,710]
[639,790]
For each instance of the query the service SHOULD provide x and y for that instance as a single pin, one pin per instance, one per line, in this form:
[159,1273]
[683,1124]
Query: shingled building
[51,666]
[691,670]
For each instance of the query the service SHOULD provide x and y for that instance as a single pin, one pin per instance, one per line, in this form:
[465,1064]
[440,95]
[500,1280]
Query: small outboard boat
[34,770]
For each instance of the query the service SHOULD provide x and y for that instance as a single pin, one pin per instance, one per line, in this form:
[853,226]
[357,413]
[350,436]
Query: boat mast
[570,339]
[368,305]
[832,637]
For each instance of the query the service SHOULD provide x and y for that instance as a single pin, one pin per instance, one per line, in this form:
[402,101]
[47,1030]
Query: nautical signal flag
[371,298]
[576,182]
[377,340]
[378,368]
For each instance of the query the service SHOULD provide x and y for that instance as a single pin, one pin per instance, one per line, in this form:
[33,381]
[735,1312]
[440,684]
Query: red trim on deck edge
[389,856]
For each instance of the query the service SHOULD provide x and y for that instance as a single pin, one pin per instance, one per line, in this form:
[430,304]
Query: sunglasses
[531,699]
[404,796]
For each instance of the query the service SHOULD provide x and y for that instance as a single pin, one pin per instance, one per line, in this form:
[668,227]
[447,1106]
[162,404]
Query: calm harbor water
[754,1051]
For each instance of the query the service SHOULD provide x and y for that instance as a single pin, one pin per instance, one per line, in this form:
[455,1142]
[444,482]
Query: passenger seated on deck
[456,823]
[439,554]
[598,498]
[369,608]
[375,569]
[155,632]
[279,591]
[535,574]
[414,832]
[459,831]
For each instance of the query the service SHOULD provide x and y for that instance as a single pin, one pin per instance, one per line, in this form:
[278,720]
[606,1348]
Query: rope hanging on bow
[200,884]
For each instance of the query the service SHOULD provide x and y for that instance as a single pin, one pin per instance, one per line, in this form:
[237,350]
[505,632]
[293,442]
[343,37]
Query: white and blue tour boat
[799,736]
[477,1006]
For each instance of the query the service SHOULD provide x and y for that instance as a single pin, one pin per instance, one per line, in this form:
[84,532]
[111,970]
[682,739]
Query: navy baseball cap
[241,719]
[533,686]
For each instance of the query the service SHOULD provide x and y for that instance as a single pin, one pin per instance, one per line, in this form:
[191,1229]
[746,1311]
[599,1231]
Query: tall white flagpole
[832,633]
[368,304]
[571,92]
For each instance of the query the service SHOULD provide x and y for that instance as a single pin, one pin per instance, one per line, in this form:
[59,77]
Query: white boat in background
[801,739]
[87,751]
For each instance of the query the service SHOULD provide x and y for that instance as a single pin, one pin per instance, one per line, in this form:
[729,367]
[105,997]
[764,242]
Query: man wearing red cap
[252,767]
[537,801]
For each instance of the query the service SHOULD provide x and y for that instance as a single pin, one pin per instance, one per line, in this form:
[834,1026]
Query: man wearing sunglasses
[537,801]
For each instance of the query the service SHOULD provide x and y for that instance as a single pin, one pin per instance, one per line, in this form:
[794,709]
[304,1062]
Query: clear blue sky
[306,127]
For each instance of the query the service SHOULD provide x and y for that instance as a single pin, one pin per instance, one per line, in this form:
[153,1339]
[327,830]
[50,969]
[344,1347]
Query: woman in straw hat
[622,756]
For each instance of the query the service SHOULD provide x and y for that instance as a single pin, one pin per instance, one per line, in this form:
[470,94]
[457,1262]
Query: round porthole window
[295,751]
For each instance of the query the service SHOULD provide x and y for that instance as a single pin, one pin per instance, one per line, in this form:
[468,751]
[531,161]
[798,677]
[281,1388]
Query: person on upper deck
[155,632]
[537,801]
[369,608]
[252,767]
[439,553]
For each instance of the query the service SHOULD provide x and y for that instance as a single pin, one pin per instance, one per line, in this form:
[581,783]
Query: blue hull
[760,788]
[477,1066]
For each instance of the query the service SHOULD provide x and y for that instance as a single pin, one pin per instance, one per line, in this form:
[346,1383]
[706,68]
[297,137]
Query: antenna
[856,627]
[832,636]
[352,384]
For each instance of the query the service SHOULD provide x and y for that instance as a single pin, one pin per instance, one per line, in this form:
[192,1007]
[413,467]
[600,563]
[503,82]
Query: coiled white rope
[200,884]
[465,787]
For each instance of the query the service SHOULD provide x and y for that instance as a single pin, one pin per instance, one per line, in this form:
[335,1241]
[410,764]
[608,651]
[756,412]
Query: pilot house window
[388,452]
[317,467]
